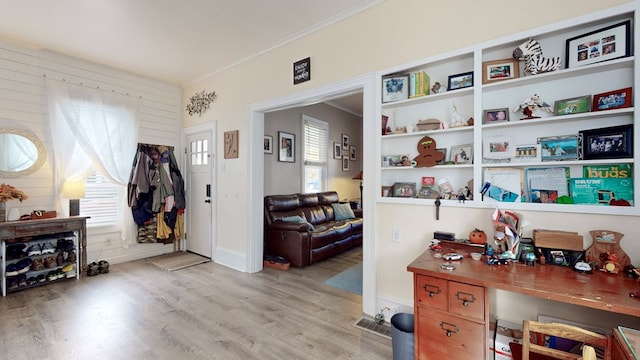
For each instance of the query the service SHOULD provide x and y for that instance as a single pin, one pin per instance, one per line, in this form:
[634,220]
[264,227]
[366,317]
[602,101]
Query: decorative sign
[301,71]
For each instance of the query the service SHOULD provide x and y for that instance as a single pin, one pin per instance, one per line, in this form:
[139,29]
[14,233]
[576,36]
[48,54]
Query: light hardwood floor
[139,311]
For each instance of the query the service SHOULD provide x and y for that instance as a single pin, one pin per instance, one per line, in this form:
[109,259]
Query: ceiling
[175,41]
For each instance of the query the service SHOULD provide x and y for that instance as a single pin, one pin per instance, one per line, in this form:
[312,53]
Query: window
[102,201]
[314,160]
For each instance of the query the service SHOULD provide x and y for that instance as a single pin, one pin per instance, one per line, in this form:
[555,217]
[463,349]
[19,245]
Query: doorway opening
[365,85]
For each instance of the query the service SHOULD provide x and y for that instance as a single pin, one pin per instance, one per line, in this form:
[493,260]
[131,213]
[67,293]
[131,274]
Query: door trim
[366,84]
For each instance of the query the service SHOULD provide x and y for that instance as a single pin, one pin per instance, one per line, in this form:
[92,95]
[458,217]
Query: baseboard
[230,258]
[389,305]
[134,252]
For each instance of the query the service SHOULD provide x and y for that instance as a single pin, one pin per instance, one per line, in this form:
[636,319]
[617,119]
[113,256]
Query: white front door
[200,193]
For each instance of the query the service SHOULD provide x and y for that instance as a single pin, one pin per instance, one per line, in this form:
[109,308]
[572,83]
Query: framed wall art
[345,163]
[615,99]
[495,116]
[404,189]
[460,81]
[613,142]
[395,88]
[608,43]
[461,154]
[574,105]
[499,70]
[268,144]
[353,154]
[558,148]
[527,153]
[345,142]
[286,147]
[337,150]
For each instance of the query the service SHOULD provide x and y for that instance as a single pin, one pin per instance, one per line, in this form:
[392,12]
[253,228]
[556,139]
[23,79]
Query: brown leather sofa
[318,236]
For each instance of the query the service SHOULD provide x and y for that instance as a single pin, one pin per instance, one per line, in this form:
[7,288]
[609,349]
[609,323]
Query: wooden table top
[599,290]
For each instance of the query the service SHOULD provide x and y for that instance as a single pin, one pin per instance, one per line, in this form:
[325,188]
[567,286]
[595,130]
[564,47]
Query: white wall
[395,32]
[285,178]
[23,104]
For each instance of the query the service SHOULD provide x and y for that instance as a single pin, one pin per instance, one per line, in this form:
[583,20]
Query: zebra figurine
[531,52]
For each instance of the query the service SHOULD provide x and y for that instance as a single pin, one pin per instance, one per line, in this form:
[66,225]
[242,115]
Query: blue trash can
[402,340]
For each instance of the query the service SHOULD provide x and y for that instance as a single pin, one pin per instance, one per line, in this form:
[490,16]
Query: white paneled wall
[23,105]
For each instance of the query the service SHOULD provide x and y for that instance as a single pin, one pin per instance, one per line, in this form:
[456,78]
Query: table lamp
[359,177]
[74,191]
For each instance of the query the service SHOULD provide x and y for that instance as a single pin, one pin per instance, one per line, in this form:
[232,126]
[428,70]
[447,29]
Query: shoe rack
[41,252]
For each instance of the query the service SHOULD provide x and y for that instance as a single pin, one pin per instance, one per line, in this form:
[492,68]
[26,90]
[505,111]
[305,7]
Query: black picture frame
[609,43]
[614,142]
[404,189]
[286,147]
[460,81]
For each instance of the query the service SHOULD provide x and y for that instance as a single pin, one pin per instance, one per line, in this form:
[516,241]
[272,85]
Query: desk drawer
[466,300]
[432,292]
[448,337]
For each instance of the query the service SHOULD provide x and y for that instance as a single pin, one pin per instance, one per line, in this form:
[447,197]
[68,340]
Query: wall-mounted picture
[527,153]
[613,142]
[268,144]
[615,99]
[461,154]
[345,163]
[337,150]
[345,142]
[559,148]
[395,88]
[404,189]
[499,70]
[460,81]
[611,42]
[286,147]
[353,154]
[574,105]
[495,116]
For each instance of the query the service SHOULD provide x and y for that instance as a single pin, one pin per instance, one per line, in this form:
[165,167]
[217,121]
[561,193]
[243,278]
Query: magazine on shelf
[504,184]
[546,185]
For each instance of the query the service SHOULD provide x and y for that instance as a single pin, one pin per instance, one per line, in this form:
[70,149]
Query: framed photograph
[499,70]
[614,142]
[576,105]
[460,81]
[404,189]
[353,154]
[615,99]
[461,154]
[527,153]
[268,144]
[395,88]
[286,147]
[611,42]
[495,116]
[558,148]
[444,156]
[345,142]
[385,120]
[387,191]
[396,160]
[345,163]
[498,147]
[337,150]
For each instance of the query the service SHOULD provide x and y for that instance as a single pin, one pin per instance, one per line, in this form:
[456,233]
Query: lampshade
[358,177]
[73,189]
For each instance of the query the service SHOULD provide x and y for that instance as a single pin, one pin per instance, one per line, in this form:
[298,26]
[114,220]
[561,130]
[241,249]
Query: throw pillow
[297,219]
[343,211]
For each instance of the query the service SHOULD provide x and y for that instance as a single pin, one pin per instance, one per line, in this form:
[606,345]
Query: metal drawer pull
[449,328]
[432,293]
[466,298]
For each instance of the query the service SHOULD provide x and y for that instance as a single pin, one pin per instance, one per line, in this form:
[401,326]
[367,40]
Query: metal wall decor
[199,103]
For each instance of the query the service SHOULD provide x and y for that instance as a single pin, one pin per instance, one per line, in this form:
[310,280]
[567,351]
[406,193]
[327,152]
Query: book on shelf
[602,191]
[546,185]
[615,171]
[419,84]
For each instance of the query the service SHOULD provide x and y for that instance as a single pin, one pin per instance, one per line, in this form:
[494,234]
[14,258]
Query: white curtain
[92,130]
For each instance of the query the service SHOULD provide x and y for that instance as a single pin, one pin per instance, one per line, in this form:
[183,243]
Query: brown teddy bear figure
[427,153]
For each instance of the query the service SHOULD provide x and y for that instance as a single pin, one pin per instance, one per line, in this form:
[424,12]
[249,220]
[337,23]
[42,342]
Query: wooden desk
[440,294]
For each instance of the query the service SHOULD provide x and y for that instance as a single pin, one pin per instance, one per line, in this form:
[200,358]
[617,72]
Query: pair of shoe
[65,245]
[50,262]
[17,282]
[15,251]
[23,265]
[38,264]
[69,270]
[41,249]
[100,267]
[55,275]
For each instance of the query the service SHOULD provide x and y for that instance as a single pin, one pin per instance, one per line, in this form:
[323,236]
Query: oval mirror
[21,153]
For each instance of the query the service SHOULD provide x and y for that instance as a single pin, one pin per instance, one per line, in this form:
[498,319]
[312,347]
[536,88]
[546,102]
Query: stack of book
[419,84]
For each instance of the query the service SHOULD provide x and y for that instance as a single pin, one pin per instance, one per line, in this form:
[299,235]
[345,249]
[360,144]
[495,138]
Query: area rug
[177,260]
[349,280]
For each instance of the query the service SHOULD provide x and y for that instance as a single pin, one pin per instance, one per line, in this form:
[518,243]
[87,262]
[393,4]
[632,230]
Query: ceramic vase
[13,215]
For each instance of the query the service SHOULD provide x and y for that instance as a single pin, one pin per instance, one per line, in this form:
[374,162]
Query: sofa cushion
[297,219]
[342,211]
